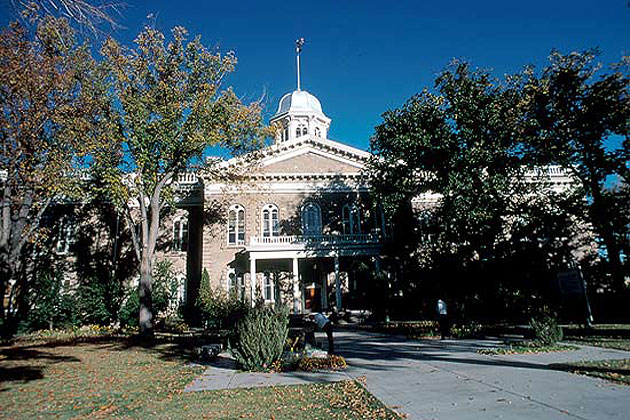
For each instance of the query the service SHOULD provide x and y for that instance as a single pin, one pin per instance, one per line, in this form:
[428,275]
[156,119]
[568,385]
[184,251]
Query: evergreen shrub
[547,331]
[218,308]
[258,339]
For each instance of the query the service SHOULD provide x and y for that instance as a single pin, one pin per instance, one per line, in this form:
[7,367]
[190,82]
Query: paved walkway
[433,379]
[448,380]
[224,374]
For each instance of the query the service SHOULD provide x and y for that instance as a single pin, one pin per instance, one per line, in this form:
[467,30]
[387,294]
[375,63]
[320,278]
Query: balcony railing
[315,240]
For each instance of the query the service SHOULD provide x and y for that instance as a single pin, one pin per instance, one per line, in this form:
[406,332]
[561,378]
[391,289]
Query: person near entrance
[324,324]
[442,313]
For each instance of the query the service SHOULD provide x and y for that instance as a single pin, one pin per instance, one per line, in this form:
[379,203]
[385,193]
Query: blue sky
[364,57]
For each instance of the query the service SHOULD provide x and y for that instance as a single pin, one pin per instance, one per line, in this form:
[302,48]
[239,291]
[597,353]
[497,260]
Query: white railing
[317,240]
[187,178]
[551,170]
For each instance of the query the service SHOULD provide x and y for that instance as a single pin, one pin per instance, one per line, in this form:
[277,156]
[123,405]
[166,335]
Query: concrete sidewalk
[224,374]
[448,380]
[433,379]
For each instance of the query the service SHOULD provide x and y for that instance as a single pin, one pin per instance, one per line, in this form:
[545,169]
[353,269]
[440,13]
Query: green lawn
[115,379]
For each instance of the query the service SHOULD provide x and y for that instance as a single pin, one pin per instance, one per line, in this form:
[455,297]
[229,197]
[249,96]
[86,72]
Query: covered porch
[312,274]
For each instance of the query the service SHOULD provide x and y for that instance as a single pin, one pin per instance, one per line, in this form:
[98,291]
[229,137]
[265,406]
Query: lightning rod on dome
[299,43]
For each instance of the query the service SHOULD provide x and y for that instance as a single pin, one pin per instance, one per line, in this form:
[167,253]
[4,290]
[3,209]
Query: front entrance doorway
[313,297]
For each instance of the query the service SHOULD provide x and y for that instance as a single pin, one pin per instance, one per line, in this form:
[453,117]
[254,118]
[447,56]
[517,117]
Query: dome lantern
[300,113]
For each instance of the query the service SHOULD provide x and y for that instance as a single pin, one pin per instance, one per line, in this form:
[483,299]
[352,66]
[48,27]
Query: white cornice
[295,187]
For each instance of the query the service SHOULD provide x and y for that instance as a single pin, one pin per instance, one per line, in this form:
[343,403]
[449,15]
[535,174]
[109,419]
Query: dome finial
[299,43]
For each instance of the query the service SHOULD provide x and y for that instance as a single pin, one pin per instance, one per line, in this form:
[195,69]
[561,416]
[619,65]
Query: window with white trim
[270,221]
[311,219]
[181,289]
[180,234]
[236,285]
[301,130]
[66,234]
[318,132]
[236,225]
[268,287]
[351,219]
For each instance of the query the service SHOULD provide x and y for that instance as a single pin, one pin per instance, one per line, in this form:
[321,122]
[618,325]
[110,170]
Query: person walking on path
[442,313]
[324,324]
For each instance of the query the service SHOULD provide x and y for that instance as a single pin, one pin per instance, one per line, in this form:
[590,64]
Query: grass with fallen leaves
[612,370]
[116,379]
[611,336]
[525,348]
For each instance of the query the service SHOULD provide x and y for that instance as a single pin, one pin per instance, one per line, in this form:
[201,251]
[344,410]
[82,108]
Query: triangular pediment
[311,161]
[306,156]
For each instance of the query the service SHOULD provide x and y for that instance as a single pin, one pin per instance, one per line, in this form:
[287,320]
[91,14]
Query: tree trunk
[12,311]
[601,221]
[146,302]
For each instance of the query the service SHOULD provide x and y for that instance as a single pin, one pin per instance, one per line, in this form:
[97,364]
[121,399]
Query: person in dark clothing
[442,313]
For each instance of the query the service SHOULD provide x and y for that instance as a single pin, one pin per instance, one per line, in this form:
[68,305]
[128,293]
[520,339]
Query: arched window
[318,132]
[311,219]
[270,220]
[180,234]
[236,225]
[351,219]
[379,219]
[301,130]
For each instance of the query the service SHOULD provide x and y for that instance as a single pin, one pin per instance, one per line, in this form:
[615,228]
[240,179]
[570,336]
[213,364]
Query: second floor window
[270,221]
[351,219]
[311,219]
[236,225]
[180,235]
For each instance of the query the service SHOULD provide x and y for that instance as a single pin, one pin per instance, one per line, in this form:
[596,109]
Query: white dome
[299,100]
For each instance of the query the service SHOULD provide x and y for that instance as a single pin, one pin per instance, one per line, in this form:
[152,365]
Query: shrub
[50,304]
[217,307]
[546,330]
[259,337]
[93,304]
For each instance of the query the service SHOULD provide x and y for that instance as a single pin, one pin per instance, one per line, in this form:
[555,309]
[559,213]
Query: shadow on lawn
[27,363]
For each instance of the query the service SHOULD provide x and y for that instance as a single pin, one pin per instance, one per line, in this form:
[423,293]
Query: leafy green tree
[168,106]
[51,97]
[573,110]
[462,142]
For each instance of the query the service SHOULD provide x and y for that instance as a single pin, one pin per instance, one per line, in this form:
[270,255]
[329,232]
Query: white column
[297,298]
[252,278]
[337,283]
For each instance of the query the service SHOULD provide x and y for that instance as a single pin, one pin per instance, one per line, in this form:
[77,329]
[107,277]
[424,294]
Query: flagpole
[299,43]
